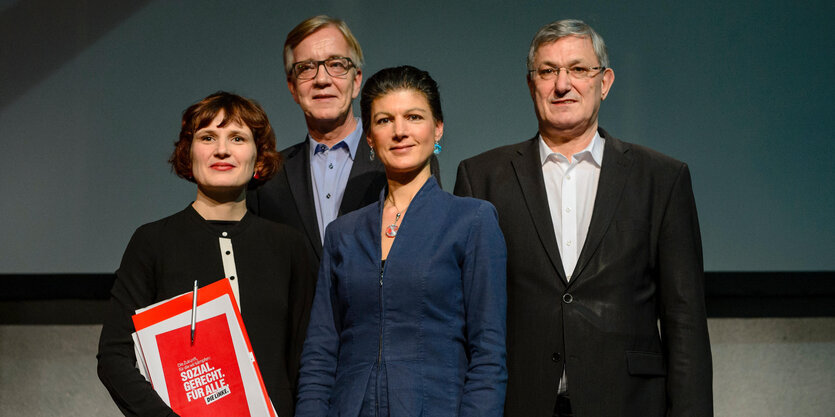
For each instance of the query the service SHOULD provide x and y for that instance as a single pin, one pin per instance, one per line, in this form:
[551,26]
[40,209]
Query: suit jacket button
[555,357]
[567,298]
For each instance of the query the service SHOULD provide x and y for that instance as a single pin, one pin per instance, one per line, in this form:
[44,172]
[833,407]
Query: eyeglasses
[336,66]
[548,73]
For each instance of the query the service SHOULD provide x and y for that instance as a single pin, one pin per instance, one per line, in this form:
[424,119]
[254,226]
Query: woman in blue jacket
[409,313]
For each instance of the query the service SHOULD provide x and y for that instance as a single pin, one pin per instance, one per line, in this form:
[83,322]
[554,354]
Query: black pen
[193,311]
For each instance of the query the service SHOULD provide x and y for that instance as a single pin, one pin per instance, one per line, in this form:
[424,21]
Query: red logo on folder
[203,379]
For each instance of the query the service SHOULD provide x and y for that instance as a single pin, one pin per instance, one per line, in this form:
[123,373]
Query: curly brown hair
[235,109]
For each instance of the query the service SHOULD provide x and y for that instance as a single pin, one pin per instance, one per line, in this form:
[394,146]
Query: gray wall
[92,91]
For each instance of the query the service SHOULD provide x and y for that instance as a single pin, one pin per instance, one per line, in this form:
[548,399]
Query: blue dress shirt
[329,172]
[423,335]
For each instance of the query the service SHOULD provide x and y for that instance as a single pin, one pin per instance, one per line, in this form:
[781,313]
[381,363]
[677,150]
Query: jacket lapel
[613,174]
[297,166]
[528,167]
[360,181]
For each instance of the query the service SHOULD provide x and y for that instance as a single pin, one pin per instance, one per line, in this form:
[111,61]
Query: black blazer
[641,263]
[288,197]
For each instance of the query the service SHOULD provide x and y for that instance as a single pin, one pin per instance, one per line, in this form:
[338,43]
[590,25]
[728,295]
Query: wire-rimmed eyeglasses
[547,72]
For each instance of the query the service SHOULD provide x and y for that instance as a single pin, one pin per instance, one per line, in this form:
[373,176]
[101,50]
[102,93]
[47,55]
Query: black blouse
[164,258]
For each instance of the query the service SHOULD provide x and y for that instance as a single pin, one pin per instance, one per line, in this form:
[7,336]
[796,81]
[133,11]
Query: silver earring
[371,155]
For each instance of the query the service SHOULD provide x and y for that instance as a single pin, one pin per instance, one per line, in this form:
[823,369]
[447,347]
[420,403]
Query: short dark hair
[405,77]
[236,109]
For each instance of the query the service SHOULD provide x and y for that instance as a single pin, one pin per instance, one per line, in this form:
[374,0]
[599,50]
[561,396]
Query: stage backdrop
[91,94]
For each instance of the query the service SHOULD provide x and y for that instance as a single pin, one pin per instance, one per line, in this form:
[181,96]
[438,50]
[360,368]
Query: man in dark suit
[331,172]
[605,313]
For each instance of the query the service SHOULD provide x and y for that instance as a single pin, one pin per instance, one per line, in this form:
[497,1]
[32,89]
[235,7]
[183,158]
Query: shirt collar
[594,148]
[352,141]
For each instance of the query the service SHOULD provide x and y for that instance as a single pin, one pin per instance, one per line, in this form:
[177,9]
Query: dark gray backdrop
[91,94]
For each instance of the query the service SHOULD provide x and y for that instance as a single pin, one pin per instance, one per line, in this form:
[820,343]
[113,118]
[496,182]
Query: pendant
[391,230]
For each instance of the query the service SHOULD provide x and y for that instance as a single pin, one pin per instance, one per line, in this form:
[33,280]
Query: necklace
[391,230]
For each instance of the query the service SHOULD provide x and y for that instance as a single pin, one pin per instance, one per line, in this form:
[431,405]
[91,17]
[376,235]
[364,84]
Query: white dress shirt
[571,188]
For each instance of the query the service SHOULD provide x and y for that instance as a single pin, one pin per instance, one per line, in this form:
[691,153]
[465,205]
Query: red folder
[216,375]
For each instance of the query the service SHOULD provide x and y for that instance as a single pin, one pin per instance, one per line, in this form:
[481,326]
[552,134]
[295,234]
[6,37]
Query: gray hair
[568,27]
[312,24]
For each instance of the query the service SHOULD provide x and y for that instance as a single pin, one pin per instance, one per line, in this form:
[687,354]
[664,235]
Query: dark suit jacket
[288,197]
[641,264]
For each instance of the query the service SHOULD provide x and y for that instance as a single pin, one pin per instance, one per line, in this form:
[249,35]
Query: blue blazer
[432,321]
